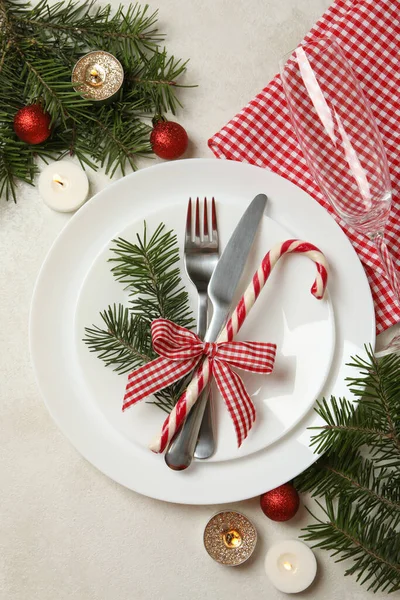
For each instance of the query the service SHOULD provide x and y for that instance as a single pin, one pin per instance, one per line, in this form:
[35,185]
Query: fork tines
[193,234]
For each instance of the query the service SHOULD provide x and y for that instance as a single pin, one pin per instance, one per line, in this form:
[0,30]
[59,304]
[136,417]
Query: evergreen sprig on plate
[148,271]
[39,46]
[358,476]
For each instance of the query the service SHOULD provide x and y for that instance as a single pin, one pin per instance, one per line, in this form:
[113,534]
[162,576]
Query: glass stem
[388,263]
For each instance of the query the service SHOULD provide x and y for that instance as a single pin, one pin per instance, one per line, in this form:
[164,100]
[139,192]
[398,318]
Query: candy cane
[201,377]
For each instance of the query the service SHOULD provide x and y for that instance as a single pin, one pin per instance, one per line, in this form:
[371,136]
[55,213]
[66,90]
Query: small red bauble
[32,124]
[169,140]
[280,504]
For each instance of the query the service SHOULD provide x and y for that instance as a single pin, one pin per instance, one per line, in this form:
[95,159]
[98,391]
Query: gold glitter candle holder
[230,538]
[98,76]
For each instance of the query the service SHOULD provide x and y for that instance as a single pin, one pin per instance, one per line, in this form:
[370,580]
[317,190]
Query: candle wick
[95,75]
[58,179]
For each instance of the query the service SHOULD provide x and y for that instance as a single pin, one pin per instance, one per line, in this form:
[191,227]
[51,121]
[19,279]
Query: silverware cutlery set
[216,280]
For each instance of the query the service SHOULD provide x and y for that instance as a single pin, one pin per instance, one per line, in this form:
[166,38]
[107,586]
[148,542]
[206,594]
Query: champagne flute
[341,144]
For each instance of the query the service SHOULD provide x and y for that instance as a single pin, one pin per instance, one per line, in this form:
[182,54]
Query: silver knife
[221,290]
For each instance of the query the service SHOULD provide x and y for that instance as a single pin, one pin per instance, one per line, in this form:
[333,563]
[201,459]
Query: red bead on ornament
[280,504]
[32,124]
[168,140]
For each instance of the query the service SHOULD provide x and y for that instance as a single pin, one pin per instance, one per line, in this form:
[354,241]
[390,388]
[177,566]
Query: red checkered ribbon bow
[181,351]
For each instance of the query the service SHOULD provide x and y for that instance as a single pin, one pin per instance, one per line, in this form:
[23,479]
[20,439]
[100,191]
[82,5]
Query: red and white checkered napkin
[368,32]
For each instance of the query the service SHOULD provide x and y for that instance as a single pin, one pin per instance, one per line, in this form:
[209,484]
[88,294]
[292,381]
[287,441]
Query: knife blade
[221,291]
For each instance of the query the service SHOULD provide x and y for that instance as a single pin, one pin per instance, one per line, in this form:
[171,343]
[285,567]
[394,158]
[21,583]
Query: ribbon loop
[255,357]
[173,341]
[181,350]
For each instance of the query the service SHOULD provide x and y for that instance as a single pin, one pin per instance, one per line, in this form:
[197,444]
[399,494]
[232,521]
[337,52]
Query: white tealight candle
[63,185]
[291,566]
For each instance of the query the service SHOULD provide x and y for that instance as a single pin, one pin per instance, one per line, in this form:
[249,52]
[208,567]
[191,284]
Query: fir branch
[347,427]
[16,162]
[123,343]
[374,547]
[365,525]
[156,81]
[147,270]
[50,83]
[116,141]
[358,480]
[39,46]
[381,379]
[374,421]
[126,32]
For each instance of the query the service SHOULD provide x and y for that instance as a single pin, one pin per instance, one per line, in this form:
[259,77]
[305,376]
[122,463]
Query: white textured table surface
[66,531]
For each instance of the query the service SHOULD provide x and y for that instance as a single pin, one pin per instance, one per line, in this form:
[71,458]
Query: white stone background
[66,530]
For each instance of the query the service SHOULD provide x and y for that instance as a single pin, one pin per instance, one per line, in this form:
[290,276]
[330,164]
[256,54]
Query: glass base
[393,347]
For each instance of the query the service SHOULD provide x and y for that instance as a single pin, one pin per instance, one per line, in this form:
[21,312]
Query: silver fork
[201,253]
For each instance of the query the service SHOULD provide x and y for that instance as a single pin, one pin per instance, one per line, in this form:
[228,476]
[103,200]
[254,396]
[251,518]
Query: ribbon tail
[178,415]
[237,400]
[155,376]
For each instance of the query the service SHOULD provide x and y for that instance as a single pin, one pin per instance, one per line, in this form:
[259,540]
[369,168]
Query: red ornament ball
[169,140]
[32,124]
[280,504]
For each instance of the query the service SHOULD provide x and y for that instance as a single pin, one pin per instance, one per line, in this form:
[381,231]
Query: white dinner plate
[315,339]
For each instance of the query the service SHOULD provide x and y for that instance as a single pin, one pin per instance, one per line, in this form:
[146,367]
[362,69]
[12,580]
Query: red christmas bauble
[169,140]
[32,124]
[280,504]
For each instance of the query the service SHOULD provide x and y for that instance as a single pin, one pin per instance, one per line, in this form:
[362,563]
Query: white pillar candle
[291,566]
[63,185]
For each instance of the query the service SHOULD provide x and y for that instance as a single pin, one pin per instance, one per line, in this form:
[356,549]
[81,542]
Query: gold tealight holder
[230,538]
[98,76]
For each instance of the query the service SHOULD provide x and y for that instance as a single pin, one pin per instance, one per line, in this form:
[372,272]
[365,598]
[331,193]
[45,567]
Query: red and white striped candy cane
[185,403]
